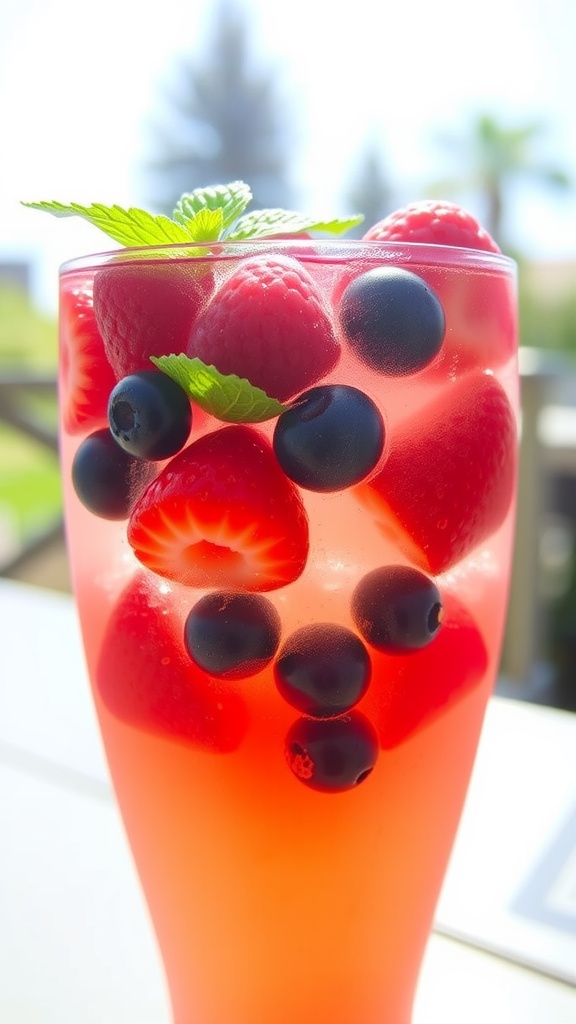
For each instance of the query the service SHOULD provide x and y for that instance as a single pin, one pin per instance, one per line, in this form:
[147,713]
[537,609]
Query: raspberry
[480,308]
[268,323]
[433,222]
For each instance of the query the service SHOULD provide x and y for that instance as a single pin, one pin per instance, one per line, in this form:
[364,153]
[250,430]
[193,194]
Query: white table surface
[75,941]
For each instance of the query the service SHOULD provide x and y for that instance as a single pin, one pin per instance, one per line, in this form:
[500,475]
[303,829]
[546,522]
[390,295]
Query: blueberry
[323,670]
[330,438]
[393,320]
[106,479]
[397,608]
[332,756]
[232,635]
[149,415]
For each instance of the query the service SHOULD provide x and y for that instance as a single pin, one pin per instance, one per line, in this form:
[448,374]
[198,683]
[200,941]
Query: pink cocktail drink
[293,618]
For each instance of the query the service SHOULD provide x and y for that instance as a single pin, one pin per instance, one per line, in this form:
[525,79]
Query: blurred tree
[369,191]
[224,120]
[492,158]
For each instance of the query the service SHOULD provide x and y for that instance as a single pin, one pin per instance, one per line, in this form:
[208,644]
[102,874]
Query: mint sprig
[260,223]
[231,200]
[227,397]
[210,214]
[129,227]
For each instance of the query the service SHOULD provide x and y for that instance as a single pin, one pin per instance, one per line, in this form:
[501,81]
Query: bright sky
[78,82]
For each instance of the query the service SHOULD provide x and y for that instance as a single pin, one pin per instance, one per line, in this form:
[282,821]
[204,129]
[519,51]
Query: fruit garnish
[86,378]
[107,480]
[149,415]
[145,678]
[227,397]
[432,222]
[331,438]
[413,691]
[323,670]
[397,608]
[269,323]
[480,308]
[332,756]
[222,514]
[393,320]
[146,309]
[208,214]
[448,480]
[232,636]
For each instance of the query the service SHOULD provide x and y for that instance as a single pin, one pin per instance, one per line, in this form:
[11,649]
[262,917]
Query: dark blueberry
[393,320]
[323,670]
[397,608]
[330,438]
[232,635]
[332,756]
[149,415]
[106,479]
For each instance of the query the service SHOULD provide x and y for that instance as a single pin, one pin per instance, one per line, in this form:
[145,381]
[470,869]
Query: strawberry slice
[145,310]
[449,479]
[480,307]
[146,679]
[414,691]
[86,378]
[268,323]
[222,514]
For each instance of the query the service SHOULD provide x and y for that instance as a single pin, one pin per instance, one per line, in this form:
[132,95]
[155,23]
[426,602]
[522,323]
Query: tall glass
[293,626]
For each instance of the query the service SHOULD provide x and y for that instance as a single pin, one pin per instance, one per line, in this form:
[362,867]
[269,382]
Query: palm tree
[493,158]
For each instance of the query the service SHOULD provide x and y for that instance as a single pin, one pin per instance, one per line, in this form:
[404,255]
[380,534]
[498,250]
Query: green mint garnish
[226,396]
[129,227]
[230,200]
[261,223]
[211,214]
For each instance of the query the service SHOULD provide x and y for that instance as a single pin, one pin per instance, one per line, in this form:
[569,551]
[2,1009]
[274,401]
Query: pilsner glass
[292,626]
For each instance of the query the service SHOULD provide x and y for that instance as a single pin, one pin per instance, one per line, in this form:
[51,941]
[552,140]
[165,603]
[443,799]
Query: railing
[16,389]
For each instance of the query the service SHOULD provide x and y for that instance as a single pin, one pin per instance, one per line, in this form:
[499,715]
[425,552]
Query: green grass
[33,497]
[30,496]
[30,493]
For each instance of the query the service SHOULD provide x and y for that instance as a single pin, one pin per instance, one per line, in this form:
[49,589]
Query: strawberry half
[86,378]
[145,678]
[145,310]
[479,306]
[222,514]
[449,478]
[413,691]
[268,323]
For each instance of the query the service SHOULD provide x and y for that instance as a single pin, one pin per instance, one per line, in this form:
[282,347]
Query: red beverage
[293,625]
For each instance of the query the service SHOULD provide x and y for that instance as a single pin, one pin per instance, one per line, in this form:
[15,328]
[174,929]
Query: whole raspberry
[435,222]
[480,308]
[268,323]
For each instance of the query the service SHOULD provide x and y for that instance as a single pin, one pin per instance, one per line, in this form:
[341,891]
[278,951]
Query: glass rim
[309,250]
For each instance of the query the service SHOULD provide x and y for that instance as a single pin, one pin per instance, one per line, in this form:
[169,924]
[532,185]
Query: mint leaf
[226,396]
[260,223]
[129,227]
[204,215]
[230,199]
[205,226]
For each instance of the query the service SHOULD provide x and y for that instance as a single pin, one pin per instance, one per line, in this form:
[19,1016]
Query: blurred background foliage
[29,476]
